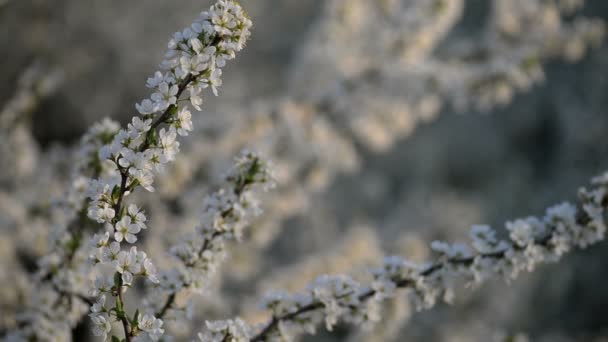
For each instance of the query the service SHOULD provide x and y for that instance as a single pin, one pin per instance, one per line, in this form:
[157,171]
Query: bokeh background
[345,202]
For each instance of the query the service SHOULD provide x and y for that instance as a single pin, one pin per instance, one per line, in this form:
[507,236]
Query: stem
[67,294]
[122,314]
[166,307]
[124,176]
[181,87]
[124,173]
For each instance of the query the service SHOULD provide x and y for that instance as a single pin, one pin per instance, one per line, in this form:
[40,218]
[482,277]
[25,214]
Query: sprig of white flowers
[224,215]
[193,62]
[531,241]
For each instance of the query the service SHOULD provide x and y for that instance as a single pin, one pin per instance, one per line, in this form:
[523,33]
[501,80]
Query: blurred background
[391,123]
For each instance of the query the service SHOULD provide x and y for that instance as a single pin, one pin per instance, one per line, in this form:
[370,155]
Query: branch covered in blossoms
[58,287]
[532,241]
[18,149]
[192,63]
[224,215]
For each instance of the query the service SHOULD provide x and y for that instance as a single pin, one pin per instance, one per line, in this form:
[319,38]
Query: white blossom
[99,304]
[101,325]
[147,106]
[110,253]
[196,98]
[102,285]
[183,122]
[100,240]
[101,212]
[230,330]
[126,230]
[155,80]
[165,96]
[151,325]
[149,270]
[131,158]
[137,216]
[126,264]
[169,143]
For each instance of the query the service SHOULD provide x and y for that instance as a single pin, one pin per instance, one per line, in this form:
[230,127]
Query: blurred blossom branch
[531,241]
[224,215]
[18,149]
[379,68]
[345,97]
[60,282]
[36,83]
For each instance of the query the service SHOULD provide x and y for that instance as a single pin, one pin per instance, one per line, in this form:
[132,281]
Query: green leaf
[153,137]
[123,211]
[133,184]
[135,320]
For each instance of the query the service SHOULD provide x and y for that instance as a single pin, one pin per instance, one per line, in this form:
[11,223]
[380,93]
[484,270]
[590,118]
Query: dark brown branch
[166,307]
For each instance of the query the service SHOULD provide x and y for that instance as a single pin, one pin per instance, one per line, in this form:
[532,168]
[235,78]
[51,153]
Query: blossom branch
[531,241]
[193,62]
[225,214]
[51,283]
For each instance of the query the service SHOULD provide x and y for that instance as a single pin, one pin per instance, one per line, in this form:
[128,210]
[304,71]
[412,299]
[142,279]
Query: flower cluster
[231,330]
[87,164]
[340,296]
[224,215]
[531,241]
[193,62]
[57,301]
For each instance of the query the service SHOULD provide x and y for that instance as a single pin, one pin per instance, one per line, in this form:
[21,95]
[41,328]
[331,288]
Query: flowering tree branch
[54,290]
[193,62]
[531,241]
[224,215]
